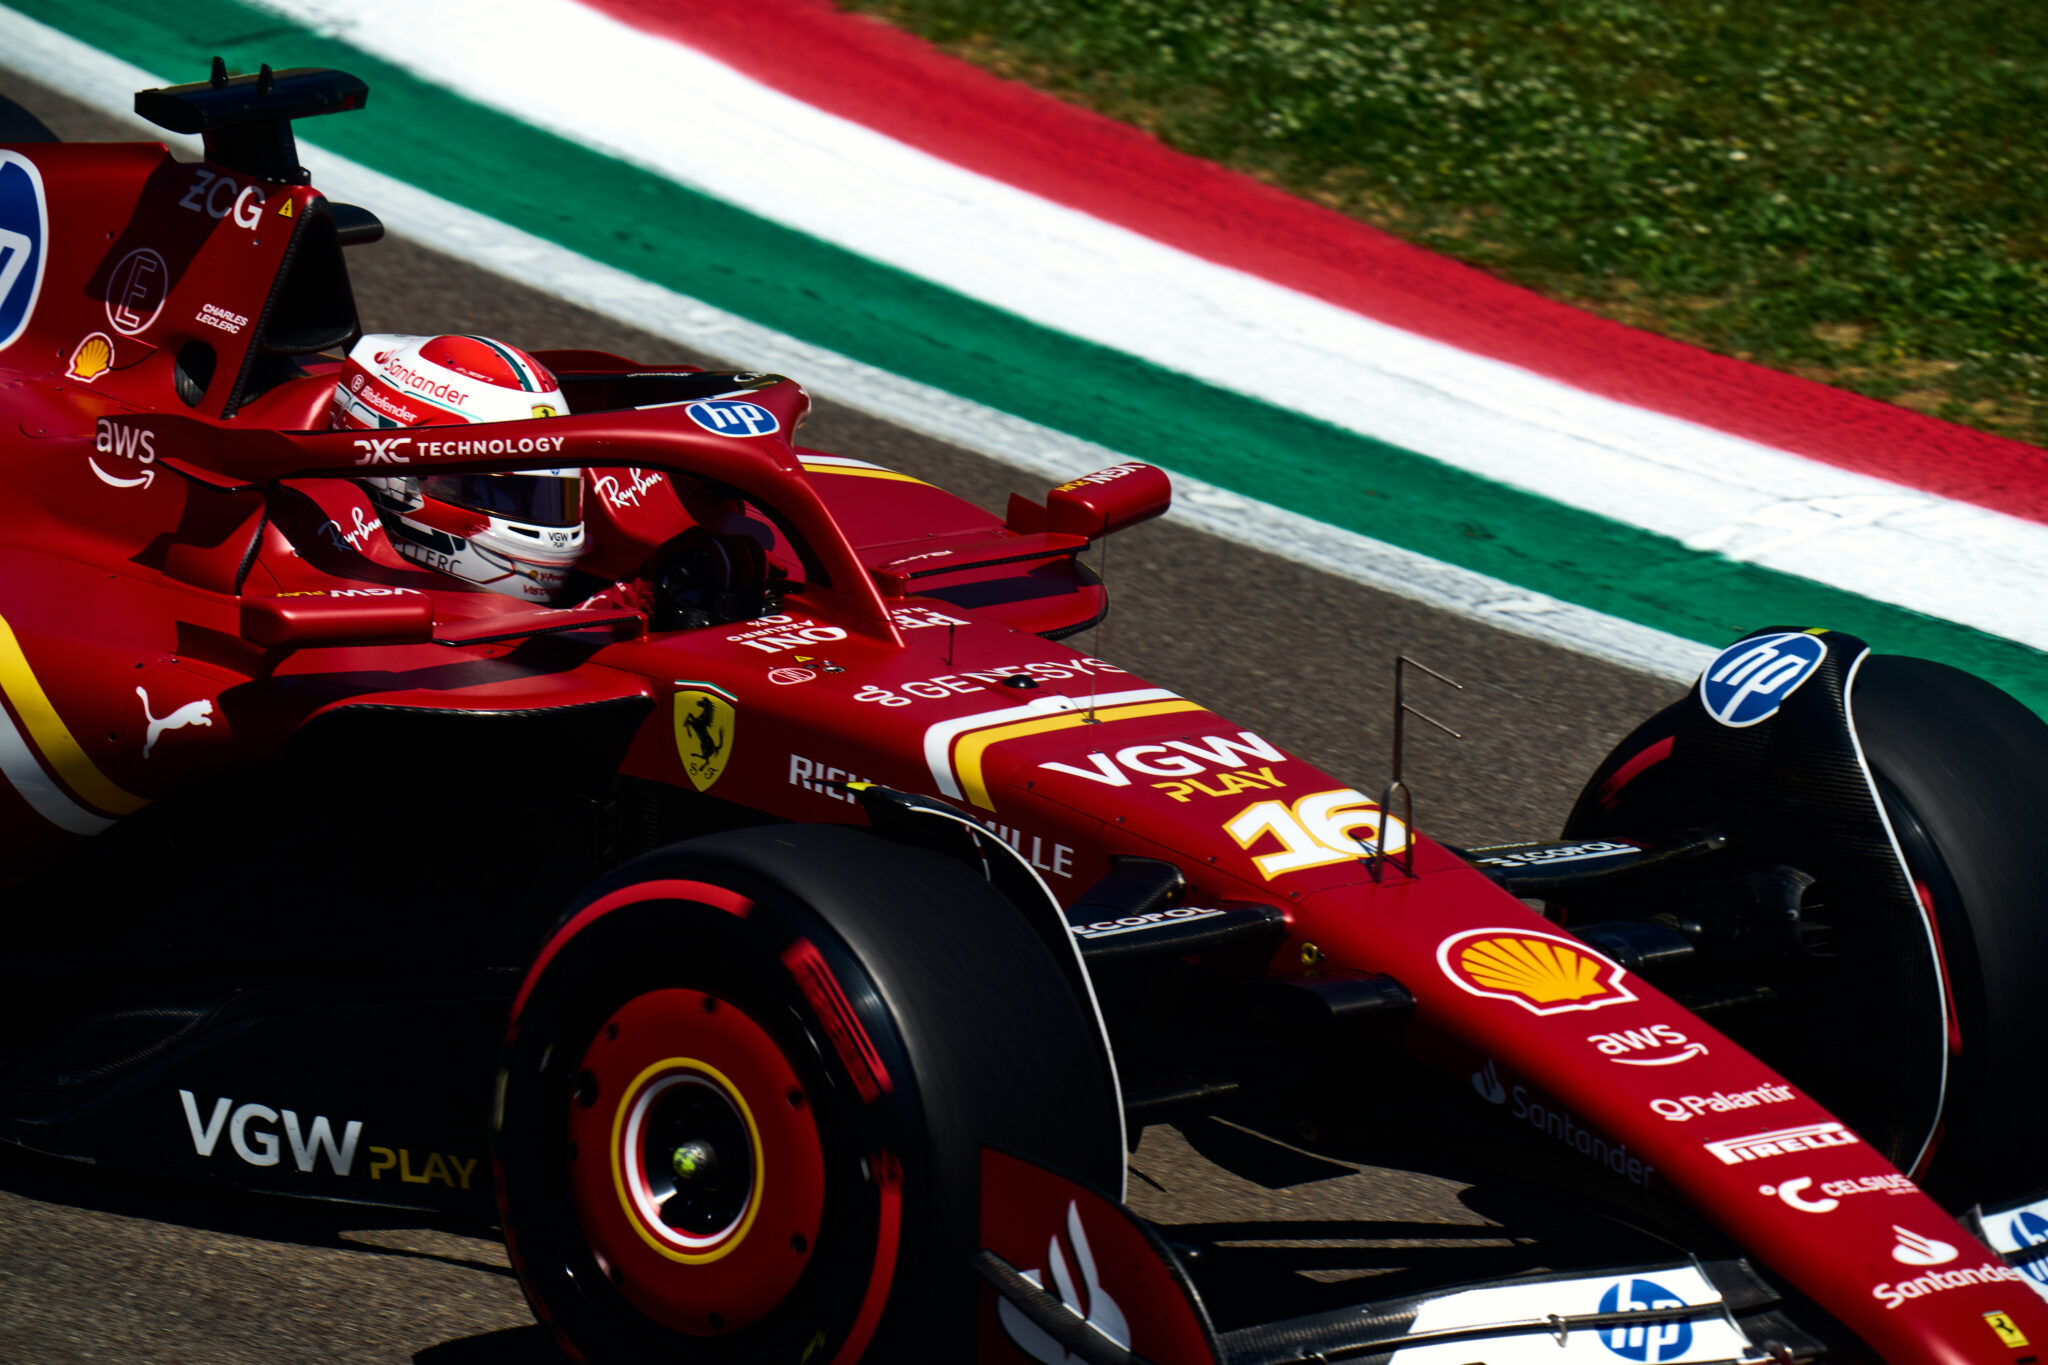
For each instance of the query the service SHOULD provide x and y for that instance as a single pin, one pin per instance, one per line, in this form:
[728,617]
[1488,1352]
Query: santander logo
[1914,1249]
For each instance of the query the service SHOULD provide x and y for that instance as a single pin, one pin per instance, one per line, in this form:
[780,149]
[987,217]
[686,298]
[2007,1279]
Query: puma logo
[191,713]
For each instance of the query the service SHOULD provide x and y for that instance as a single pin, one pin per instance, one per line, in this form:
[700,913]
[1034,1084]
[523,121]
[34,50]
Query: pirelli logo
[1812,1137]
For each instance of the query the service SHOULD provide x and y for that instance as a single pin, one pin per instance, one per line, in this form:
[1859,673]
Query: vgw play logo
[24,242]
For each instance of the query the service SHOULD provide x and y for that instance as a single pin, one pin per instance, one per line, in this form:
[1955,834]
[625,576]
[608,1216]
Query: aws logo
[1543,973]
[1657,1045]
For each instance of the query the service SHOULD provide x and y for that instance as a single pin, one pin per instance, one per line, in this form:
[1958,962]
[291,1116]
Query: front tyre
[745,1090]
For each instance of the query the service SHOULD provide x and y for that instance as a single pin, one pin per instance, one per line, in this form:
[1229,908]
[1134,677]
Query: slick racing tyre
[1961,770]
[19,125]
[745,1091]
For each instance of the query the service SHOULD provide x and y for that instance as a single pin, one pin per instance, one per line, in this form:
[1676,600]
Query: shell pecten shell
[1541,970]
[1543,973]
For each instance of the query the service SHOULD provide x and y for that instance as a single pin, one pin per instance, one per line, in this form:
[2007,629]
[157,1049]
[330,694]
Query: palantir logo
[24,235]
[731,417]
[1751,679]
[1649,1341]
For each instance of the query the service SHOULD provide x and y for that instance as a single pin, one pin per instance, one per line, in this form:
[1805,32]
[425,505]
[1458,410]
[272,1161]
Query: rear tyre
[1962,772]
[745,1092]
[19,125]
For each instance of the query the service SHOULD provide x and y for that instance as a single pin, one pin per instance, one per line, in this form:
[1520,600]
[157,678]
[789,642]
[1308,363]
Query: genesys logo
[1811,1137]
[1721,1102]
[1800,1193]
[1657,1045]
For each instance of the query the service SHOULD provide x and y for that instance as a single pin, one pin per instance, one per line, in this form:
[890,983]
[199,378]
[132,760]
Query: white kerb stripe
[621,92]
[43,54]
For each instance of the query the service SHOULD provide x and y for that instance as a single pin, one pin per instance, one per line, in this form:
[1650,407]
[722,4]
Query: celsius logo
[1650,1341]
[1793,1192]
[1748,681]
[1084,1298]
[1654,1042]
[1486,1081]
[1913,1249]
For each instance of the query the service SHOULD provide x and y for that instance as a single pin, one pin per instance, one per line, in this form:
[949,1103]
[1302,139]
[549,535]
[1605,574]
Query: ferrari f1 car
[787,937]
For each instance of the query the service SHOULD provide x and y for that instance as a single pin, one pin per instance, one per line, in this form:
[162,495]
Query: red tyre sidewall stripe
[856,1050]
[1610,790]
[889,1182]
[863,70]
[719,897]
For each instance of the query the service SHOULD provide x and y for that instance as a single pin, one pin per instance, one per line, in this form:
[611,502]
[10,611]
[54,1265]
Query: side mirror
[344,616]
[1097,504]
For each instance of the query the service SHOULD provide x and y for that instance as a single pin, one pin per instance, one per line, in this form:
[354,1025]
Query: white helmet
[518,534]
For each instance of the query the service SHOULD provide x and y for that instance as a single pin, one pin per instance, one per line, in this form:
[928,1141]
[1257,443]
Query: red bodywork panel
[187,584]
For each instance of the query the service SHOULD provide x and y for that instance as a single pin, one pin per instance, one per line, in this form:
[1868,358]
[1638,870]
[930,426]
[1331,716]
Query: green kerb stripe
[641,223]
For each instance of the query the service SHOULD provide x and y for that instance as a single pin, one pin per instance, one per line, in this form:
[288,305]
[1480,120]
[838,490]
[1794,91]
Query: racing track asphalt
[94,1267]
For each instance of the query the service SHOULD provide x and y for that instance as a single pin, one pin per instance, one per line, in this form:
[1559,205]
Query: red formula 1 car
[790,935]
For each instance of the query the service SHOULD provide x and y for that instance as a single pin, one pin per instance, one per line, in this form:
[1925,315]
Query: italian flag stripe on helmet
[515,360]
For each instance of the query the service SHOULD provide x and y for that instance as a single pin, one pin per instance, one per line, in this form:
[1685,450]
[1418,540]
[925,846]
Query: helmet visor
[538,499]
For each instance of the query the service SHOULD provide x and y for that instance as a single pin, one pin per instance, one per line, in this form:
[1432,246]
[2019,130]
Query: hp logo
[730,417]
[1652,1341]
[2031,1229]
[1750,680]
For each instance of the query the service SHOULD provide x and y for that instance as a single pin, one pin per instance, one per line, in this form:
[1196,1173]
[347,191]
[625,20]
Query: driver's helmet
[518,534]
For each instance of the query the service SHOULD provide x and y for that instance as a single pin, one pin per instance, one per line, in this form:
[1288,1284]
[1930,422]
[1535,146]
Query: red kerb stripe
[896,84]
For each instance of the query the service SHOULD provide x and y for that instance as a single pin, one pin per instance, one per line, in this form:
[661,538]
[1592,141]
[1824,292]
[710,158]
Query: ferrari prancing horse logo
[705,720]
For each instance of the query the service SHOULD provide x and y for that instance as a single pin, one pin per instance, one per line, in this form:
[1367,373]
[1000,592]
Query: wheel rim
[696,1167]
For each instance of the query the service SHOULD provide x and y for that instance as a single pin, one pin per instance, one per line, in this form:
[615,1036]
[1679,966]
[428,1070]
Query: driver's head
[518,534]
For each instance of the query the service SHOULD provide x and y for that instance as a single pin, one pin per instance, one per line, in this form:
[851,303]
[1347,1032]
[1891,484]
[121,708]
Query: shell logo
[1543,973]
[91,358]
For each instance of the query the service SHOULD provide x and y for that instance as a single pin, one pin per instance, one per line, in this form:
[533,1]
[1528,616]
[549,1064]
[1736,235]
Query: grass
[1855,192]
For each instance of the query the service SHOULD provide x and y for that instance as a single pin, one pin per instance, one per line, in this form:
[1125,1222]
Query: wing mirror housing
[1097,504]
[344,616]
